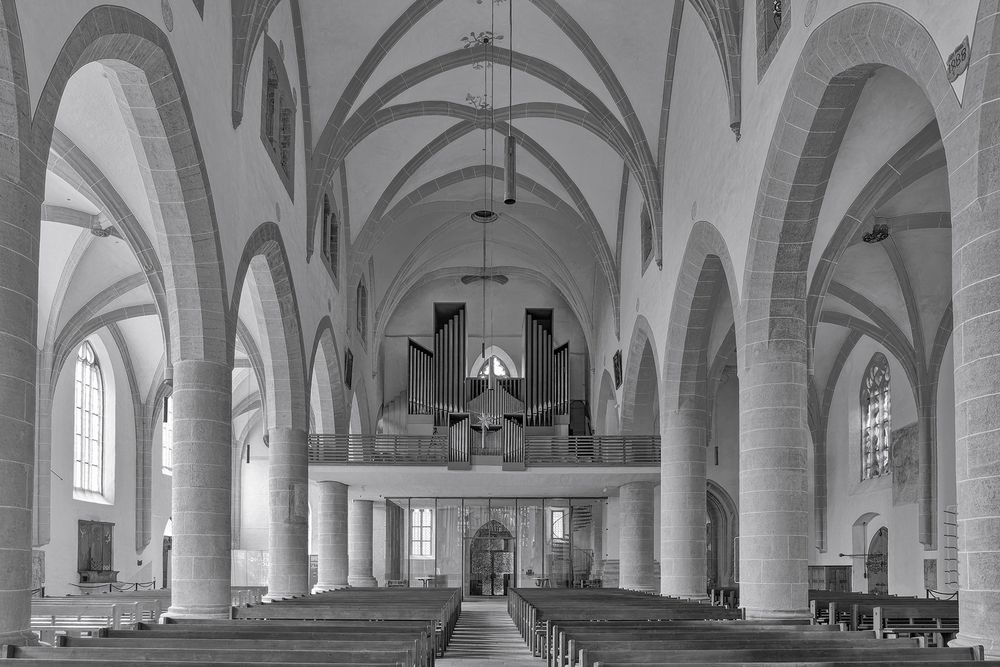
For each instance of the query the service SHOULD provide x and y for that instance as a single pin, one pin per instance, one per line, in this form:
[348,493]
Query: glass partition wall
[487,545]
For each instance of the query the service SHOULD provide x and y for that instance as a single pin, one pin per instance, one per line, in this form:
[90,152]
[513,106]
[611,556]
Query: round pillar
[683,505]
[19,234]
[635,502]
[201,490]
[288,534]
[359,540]
[332,537]
[774,482]
[976,338]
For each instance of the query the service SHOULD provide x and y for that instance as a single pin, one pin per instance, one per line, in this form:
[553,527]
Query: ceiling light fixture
[510,143]
[879,233]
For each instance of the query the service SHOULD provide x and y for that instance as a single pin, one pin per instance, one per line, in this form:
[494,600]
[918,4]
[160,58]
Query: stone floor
[486,637]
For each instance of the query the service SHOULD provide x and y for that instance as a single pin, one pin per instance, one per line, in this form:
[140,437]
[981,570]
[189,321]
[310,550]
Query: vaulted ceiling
[396,138]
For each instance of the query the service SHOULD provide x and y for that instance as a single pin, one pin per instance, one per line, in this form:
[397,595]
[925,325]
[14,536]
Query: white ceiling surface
[634,46]
[60,193]
[56,243]
[628,39]
[441,30]
[145,343]
[89,115]
[374,482]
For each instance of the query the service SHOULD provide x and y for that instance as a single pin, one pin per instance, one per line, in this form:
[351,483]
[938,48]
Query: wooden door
[877,563]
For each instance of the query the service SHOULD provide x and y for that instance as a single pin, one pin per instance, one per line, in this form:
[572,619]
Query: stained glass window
[88,422]
[875,418]
[499,368]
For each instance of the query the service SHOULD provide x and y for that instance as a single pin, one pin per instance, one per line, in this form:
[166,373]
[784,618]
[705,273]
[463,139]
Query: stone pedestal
[635,551]
[288,535]
[19,233]
[202,485]
[683,505]
[359,539]
[774,482]
[332,537]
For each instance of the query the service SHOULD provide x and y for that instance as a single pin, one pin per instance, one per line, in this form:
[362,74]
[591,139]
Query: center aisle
[486,637]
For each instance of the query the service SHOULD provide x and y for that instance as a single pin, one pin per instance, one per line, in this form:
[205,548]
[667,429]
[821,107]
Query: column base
[991,647]
[199,612]
[775,614]
[278,596]
[323,588]
[19,638]
[362,582]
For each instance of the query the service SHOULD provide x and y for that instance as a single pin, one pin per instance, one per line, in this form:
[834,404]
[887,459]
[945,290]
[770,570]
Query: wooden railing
[592,450]
[378,449]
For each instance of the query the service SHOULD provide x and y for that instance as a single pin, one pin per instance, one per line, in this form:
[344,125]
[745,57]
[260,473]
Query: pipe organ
[449,355]
[538,367]
[560,379]
[420,366]
[475,410]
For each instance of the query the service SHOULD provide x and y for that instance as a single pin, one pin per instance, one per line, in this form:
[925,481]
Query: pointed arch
[327,376]
[285,387]
[641,386]
[140,54]
[606,408]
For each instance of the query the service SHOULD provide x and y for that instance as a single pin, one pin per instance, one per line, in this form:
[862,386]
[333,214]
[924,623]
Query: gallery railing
[378,449]
[533,450]
[592,450]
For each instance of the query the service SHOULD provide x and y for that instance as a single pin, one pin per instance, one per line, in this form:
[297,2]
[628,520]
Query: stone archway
[176,183]
[641,390]
[830,75]
[706,272]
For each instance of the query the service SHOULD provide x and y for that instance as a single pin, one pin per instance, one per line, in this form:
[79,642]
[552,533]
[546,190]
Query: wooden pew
[440,605]
[937,623]
[361,654]
[80,618]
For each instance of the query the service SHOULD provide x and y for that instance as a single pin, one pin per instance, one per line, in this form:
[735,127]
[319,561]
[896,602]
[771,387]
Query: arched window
[331,235]
[499,368]
[277,116]
[88,422]
[285,139]
[168,435]
[362,310]
[646,237]
[270,100]
[875,418]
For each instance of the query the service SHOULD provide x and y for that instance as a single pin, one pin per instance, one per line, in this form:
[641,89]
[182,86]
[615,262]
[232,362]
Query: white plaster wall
[119,443]
[726,436]
[254,513]
[848,498]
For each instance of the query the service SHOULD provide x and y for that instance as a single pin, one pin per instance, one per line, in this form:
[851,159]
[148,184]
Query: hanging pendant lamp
[510,144]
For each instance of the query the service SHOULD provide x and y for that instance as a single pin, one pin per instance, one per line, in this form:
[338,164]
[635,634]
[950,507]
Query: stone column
[974,184]
[19,234]
[683,505]
[332,533]
[288,535]
[359,540]
[635,501]
[774,482]
[202,486]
